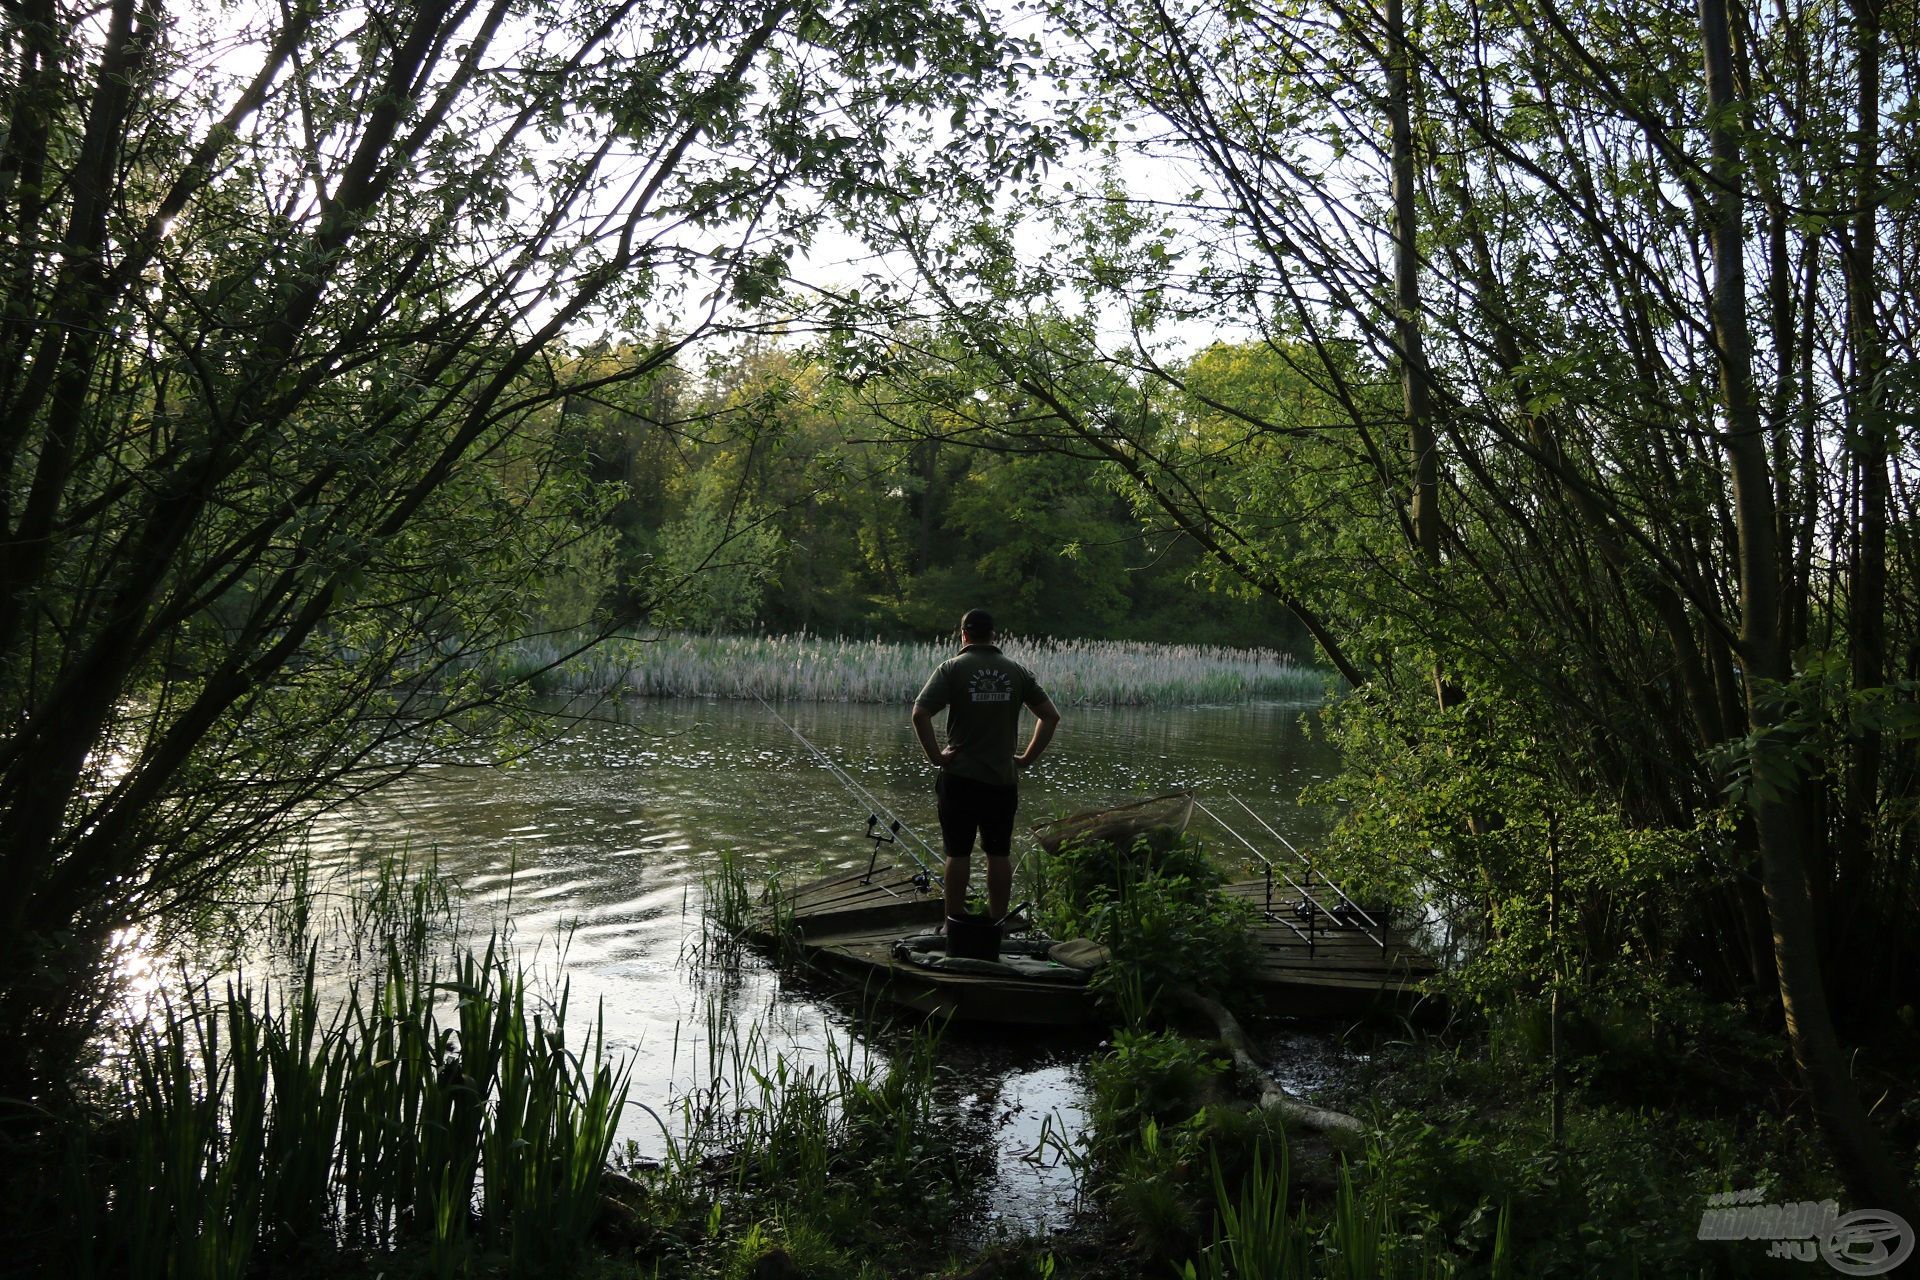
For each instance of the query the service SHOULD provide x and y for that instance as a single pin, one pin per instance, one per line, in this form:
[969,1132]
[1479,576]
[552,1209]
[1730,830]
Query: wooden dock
[1314,965]
[848,923]
[899,898]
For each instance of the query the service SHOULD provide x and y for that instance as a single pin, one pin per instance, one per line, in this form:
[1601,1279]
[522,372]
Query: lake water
[592,851]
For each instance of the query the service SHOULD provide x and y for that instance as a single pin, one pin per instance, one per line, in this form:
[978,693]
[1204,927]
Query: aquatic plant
[1256,1237]
[808,667]
[810,1152]
[726,907]
[762,1118]
[1255,1233]
[249,1126]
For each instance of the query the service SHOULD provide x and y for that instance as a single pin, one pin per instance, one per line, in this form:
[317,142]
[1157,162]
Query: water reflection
[589,855]
[137,971]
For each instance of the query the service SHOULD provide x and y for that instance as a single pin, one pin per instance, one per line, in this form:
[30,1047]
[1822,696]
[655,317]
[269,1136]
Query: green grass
[819,668]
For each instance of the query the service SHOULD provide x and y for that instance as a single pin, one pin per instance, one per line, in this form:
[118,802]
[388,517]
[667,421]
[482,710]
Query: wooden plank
[838,897]
[1374,958]
[817,889]
[1301,960]
[887,875]
[887,878]
[1355,937]
[900,917]
[1326,982]
[1333,973]
[1336,946]
[1398,975]
[851,900]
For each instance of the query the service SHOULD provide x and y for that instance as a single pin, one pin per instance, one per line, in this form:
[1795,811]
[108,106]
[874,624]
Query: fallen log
[1294,1111]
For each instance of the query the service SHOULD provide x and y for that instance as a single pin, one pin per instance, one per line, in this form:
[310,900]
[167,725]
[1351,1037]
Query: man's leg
[999,883]
[958,824]
[996,840]
[956,884]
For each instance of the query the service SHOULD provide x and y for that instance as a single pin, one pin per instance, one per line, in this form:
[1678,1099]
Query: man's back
[982,691]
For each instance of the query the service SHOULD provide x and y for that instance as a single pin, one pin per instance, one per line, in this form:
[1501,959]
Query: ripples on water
[590,854]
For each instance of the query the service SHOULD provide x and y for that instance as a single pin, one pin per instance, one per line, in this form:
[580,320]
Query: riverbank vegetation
[432,1117]
[1556,387]
[1582,452]
[827,668]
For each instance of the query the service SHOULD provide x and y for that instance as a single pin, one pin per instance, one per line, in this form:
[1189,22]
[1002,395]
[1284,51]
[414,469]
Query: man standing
[978,788]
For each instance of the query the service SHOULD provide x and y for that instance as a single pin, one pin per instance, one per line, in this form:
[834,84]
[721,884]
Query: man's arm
[1046,720]
[938,756]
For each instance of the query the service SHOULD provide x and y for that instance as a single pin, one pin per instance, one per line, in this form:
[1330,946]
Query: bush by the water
[1156,910]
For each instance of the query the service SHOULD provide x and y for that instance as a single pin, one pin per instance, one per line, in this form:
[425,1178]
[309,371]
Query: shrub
[1157,912]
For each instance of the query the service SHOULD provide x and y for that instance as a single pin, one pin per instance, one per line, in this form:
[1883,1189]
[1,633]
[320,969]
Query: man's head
[976,626]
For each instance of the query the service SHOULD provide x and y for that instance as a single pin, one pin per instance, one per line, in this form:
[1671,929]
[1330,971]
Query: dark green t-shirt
[982,690]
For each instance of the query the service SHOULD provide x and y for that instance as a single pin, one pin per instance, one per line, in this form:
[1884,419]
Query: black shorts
[968,806]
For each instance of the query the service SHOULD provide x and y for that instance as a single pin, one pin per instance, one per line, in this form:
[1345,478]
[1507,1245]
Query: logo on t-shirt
[990,686]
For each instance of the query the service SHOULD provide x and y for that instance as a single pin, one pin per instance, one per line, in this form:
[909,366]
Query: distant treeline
[769,494]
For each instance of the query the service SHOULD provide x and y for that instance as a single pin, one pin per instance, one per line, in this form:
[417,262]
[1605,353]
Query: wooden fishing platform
[866,957]
[848,923]
[1309,964]
[857,901]
[1313,965]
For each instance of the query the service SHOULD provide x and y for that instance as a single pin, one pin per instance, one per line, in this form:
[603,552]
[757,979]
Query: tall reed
[251,1128]
[829,669]
[727,911]
[1256,1238]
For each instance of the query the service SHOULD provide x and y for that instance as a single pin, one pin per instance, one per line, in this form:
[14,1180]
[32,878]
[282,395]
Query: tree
[1634,466]
[287,310]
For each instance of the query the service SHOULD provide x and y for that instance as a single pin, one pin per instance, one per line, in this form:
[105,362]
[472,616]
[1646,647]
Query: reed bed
[816,668]
[433,1116]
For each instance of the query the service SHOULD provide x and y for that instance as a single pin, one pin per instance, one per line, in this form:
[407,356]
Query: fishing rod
[1350,904]
[1312,905]
[875,810]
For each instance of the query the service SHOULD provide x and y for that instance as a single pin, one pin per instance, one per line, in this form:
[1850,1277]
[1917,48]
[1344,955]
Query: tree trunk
[1867,446]
[1298,1114]
[1406,293]
[1415,392]
[1862,1160]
